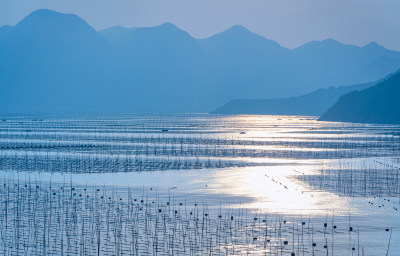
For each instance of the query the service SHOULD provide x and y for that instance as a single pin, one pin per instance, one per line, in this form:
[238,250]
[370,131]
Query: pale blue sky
[289,22]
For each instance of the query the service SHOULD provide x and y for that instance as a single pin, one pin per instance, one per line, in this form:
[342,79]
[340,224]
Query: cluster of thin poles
[370,178]
[142,143]
[62,219]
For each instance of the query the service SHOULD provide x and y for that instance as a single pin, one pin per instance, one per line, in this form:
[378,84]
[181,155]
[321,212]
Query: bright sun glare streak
[273,189]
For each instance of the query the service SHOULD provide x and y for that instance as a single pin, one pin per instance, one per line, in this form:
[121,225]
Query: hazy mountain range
[312,104]
[52,62]
[377,104]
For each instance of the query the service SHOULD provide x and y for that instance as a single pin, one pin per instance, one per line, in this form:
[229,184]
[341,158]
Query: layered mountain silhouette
[377,104]
[53,62]
[312,104]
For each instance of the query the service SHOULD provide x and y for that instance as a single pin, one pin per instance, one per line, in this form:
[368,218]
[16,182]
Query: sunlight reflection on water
[287,150]
[281,145]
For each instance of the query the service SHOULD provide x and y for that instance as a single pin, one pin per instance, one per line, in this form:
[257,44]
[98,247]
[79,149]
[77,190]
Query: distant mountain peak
[241,33]
[123,36]
[238,31]
[239,28]
[44,19]
[170,28]
[47,29]
[163,31]
[43,12]
[168,25]
[330,41]
[325,44]
[373,45]
[49,16]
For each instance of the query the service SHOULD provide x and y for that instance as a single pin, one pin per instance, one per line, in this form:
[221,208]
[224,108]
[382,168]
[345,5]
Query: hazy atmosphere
[213,127]
[289,22]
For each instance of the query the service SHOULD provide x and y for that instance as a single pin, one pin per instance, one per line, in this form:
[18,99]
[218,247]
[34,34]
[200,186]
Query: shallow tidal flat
[198,185]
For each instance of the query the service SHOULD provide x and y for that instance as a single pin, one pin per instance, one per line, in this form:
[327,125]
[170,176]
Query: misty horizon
[229,127]
[328,38]
[291,23]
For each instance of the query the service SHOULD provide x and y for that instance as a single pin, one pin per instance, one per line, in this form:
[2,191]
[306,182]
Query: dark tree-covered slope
[377,104]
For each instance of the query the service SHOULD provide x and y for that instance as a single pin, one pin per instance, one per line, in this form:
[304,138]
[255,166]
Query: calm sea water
[293,166]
